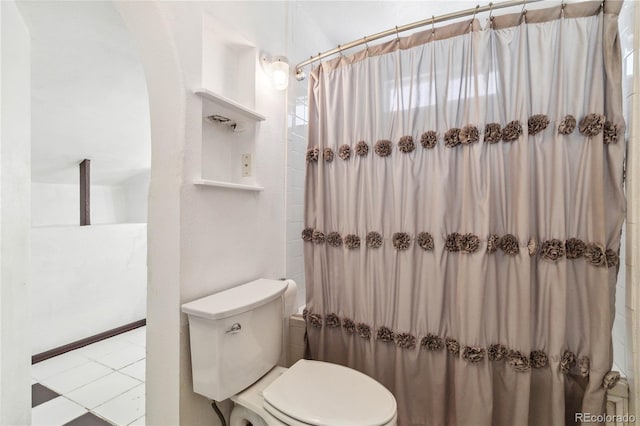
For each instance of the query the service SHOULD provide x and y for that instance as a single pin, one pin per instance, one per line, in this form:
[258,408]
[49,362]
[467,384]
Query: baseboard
[87,341]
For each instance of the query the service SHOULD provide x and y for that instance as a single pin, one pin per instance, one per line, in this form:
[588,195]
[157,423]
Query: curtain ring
[562,9]
[602,7]
[366,45]
[340,50]
[524,15]
[397,36]
[474,15]
[433,26]
[491,15]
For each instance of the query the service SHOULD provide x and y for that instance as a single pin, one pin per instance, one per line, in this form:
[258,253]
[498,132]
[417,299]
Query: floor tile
[41,394]
[76,377]
[103,347]
[123,357]
[125,408]
[137,336]
[91,389]
[56,412]
[102,390]
[139,422]
[136,370]
[56,365]
[88,419]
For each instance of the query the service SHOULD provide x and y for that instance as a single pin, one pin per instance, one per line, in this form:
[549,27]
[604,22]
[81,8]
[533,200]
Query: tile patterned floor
[99,385]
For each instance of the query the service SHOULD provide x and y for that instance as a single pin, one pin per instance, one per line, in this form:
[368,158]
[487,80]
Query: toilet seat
[280,416]
[324,394]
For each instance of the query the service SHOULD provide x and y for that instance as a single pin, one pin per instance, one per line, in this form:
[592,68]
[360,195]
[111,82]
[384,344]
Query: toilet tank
[235,336]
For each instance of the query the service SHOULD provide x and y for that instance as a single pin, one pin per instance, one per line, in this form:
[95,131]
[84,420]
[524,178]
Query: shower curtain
[463,210]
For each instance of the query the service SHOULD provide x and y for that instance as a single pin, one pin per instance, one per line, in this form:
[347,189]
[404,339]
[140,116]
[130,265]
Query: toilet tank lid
[236,300]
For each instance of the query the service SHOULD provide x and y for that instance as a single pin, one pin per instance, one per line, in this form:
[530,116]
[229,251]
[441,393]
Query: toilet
[236,339]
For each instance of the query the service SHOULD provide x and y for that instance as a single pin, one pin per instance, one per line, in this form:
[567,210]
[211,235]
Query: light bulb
[280,74]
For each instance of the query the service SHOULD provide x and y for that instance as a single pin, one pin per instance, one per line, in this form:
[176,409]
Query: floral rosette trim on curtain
[552,250]
[590,127]
[433,342]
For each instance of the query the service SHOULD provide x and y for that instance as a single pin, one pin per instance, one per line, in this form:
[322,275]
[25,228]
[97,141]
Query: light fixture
[280,76]
[277,69]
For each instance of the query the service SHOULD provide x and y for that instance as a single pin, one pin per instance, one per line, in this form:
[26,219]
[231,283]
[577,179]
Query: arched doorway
[166,101]
[88,274]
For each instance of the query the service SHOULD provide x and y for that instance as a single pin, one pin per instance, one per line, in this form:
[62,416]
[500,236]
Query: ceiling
[345,21]
[89,95]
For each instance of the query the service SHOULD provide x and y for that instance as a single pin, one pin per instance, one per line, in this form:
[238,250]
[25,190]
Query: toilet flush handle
[235,328]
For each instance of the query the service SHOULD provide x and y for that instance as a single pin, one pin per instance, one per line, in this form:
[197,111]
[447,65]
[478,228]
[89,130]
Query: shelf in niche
[230,104]
[228,185]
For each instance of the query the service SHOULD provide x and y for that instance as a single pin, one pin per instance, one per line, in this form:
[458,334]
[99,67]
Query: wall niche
[229,120]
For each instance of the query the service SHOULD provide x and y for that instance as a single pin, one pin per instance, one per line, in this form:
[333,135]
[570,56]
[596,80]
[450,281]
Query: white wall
[85,280]
[155,43]
[59,204]
[225,237]
[228,237]
[89,279]
[136,192]
[89,93]
[15,407]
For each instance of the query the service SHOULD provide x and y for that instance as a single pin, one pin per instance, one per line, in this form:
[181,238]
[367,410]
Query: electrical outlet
[246,165]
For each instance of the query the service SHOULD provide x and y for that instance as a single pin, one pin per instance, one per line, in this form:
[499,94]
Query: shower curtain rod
[434,20]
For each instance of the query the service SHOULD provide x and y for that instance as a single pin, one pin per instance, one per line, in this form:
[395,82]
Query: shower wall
[296,149]
[622,354]
[301,28]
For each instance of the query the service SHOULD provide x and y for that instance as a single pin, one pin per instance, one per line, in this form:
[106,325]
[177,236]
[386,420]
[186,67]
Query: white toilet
[236,340]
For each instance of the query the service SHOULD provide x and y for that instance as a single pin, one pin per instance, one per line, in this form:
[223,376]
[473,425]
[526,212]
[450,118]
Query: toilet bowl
[314,393]
[236,339]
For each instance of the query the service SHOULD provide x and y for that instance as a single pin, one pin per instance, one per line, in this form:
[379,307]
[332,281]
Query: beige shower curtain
[463,213]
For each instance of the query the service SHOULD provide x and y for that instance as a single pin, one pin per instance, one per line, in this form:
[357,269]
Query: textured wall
[85,280]
[14,217]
